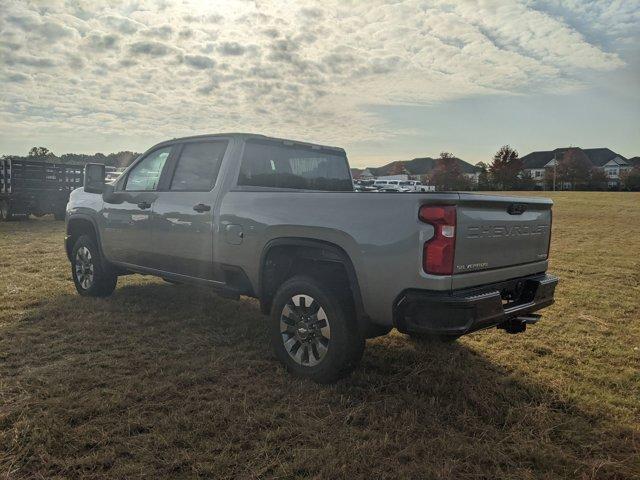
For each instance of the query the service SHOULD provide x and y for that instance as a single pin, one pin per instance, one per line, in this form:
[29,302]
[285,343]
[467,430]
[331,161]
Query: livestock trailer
[30,187]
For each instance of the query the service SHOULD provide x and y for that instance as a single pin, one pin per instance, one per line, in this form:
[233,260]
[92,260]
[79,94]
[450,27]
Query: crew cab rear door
[183,232]
[494,233]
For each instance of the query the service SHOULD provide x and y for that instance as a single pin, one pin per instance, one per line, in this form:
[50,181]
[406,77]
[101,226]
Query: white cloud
[200,62]
[308,72]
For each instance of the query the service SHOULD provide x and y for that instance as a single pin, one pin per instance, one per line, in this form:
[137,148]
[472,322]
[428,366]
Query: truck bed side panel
[380,232]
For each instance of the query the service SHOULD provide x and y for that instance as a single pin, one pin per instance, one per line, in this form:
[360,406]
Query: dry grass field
[166,381]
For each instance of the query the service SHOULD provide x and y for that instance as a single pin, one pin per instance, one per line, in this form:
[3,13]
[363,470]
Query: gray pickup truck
[278,220]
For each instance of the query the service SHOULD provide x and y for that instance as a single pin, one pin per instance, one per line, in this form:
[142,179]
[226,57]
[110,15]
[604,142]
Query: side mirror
[108,194]
[94,178]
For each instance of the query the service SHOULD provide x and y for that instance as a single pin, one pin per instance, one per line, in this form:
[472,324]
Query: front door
[183,231]
[127,215]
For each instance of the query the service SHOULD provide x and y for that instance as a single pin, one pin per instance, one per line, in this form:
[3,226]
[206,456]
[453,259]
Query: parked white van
[416,186]
[388,185]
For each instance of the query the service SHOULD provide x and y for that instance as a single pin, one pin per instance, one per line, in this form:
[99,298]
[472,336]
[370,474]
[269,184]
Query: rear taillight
[439,250]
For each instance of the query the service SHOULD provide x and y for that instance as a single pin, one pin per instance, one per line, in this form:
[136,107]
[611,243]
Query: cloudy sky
[385,80]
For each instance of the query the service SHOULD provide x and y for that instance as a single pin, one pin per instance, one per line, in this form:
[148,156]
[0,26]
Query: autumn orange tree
[598,179]
[398,168]
[630,179]
[484,180]
[505,168]
[574,168]
[447,174]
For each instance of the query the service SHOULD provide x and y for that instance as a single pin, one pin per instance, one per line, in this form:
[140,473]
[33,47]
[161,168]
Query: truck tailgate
[497,232]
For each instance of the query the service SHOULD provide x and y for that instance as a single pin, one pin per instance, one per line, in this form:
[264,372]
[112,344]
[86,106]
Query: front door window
[146,174]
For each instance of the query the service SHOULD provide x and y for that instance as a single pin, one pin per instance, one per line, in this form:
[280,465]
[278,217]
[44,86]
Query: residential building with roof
[361,174]
[612,163]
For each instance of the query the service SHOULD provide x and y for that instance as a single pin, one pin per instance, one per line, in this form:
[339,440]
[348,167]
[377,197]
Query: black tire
[90,276]
[326,362]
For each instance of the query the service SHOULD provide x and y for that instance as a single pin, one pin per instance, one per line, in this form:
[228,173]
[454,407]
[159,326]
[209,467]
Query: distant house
[366,175]
[634,162]
[420,167]
[612,163]
[360,174]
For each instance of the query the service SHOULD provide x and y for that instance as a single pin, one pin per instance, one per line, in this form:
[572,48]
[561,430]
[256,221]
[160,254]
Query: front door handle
[201,207]
[144,205]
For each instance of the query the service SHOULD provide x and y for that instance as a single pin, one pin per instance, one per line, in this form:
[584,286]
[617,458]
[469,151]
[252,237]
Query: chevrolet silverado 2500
[278,220]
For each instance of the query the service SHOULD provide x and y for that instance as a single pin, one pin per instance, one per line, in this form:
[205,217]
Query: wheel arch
[81,225]
[311,250]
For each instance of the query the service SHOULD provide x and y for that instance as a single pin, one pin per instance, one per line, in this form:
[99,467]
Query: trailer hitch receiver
[519,324]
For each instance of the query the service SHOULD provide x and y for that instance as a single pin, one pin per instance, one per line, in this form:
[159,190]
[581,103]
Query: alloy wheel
[84,268]
[305,330]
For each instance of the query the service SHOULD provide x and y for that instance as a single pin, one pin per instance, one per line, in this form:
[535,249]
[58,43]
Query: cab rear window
[277,165]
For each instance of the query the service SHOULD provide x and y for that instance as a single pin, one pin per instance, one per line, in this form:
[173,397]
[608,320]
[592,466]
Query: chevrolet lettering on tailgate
[492,231]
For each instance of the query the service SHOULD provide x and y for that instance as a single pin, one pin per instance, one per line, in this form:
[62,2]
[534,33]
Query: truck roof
[246,136]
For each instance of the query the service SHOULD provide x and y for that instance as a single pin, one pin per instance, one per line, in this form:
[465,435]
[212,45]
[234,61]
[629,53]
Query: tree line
[505,172]
[573,171]
[120,159]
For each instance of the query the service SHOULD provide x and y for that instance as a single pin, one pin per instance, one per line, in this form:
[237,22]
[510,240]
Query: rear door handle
[201,207]
[144,205]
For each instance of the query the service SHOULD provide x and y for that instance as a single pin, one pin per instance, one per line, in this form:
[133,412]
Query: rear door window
[275,164]
[198,166]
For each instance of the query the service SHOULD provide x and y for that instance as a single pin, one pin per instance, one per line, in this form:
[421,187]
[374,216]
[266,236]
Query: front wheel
[314,331]
[90,276]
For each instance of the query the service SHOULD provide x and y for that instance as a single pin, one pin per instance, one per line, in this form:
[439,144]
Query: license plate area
[517,292]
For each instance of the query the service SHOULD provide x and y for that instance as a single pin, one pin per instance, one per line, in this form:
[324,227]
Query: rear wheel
[314,332]
[90,276]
